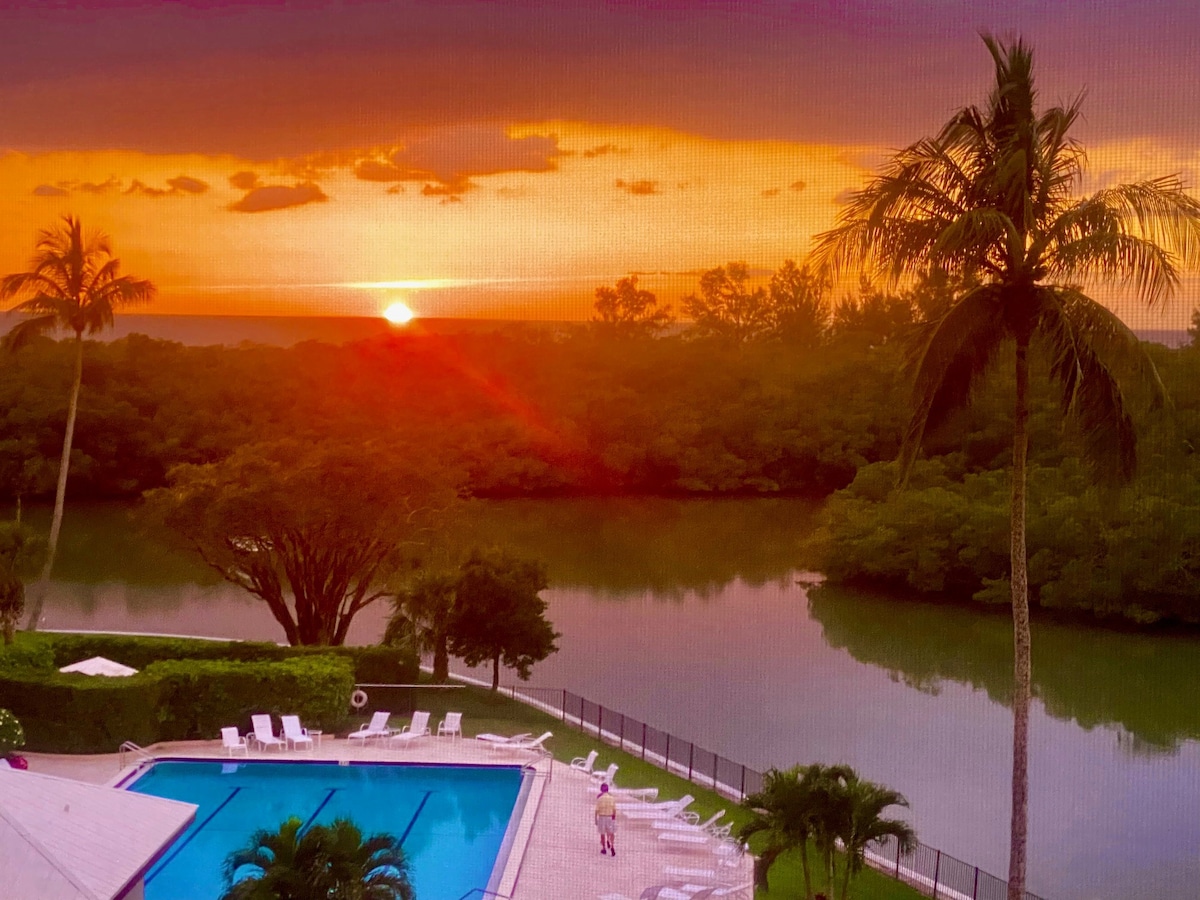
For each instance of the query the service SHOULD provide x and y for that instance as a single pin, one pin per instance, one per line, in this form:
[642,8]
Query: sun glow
[399,313]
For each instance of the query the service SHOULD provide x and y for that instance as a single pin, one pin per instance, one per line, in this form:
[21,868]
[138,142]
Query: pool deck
[556,851]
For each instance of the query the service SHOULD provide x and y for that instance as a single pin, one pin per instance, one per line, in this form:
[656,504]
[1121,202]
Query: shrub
[172,700]
[12,737]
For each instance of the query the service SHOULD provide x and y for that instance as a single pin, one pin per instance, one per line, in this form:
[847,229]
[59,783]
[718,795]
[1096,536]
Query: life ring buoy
[358,699]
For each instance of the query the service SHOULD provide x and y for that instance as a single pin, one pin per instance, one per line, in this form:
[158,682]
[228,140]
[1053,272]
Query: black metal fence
[929,870]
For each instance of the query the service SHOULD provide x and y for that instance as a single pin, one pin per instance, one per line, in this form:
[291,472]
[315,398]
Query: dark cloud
[396,189]
[375,170]
[89,187]
[186,185]
[137,187]
[49,190]
[455,155]
[797,186]
[640,188]
[603,150]
[448,189]
[278,196]
[244,181]
[771,192]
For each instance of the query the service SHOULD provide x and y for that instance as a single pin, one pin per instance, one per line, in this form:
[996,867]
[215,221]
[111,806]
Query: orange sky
[505,159]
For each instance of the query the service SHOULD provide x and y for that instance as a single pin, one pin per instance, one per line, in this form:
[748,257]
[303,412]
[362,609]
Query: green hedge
[185,689]
[391,665]
[172,700]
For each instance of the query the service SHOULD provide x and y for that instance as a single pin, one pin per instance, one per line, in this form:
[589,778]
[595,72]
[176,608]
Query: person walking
[606,820]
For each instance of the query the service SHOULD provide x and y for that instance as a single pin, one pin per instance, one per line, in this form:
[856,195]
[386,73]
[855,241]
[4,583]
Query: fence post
[599,721]
[975,890]
[715,759]
[937,868]
[667,755]
[643,741]
[564,718]
[897,859]
[691,758]
[621,734]
[743,782]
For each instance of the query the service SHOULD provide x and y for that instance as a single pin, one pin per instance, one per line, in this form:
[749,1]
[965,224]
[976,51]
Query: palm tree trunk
[1021,638]
[805,867]
[496,672]
[60,492]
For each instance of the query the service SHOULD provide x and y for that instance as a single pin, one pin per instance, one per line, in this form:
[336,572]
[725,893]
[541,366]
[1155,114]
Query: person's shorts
[607,825]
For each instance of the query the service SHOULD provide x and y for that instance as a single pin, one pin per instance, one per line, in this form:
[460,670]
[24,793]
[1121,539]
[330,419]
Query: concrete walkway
[556,851]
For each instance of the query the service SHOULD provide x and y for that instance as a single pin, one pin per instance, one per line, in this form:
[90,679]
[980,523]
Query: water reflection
[1144,683]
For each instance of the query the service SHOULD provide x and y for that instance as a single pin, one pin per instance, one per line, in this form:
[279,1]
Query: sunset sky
[505,159]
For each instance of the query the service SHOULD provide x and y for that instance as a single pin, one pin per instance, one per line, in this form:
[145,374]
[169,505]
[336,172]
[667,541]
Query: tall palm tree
[422,613]
[857,819]
[994,199]
[74,283]
[325,862]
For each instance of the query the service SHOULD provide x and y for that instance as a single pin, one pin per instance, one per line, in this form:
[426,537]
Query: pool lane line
[187,840]
[317,812]
[420,806]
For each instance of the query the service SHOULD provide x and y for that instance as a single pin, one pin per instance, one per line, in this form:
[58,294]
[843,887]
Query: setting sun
[398,314]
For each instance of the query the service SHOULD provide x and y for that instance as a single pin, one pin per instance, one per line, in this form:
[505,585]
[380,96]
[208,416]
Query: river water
[691,615]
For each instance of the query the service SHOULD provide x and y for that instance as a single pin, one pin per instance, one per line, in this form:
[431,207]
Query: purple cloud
[278,196]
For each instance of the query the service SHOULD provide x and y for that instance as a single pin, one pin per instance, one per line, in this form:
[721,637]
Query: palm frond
[24,332]
[1077,330]
[951,356]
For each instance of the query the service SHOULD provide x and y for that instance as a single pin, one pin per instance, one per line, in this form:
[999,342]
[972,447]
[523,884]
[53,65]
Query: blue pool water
[452,820]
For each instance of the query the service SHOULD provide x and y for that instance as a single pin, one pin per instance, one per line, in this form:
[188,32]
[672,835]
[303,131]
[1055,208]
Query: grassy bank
[484,711]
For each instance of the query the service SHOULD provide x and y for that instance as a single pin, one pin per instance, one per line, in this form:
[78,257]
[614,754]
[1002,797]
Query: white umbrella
[98,665]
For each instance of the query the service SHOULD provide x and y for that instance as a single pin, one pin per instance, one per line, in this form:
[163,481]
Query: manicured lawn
[484,711]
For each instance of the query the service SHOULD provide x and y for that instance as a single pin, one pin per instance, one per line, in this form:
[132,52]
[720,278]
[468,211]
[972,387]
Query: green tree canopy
[628,311]
[313,530]
[499,615]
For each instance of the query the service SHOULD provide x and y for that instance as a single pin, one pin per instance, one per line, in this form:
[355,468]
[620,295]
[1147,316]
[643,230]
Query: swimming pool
[452,820]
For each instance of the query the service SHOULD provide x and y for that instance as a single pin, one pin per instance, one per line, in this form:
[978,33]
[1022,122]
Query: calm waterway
[690,615]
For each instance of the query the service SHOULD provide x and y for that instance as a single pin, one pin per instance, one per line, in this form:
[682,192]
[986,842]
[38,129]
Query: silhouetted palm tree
[994,198]
[326,862]
[75,284]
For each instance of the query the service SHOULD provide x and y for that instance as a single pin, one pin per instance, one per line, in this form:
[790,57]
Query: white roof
[98,665]
[67,840]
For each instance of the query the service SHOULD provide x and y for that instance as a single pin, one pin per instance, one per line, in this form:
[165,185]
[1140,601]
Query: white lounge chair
[584,763]
[231,741]
[451,725]
[296,734]
[647,795]
[708,826]
[535,745]
[376,728]
[500,740]
[264,733]
[418,728]
[649,812]
[726,871]
[607,776]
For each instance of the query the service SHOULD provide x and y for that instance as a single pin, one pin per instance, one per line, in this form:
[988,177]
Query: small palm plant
[856,817]
[324,862]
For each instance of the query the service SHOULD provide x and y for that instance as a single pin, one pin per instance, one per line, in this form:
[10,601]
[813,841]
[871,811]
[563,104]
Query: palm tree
[326,862]
[994,200]
[857,819]
[792,809]
[422,613]
[74,283]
